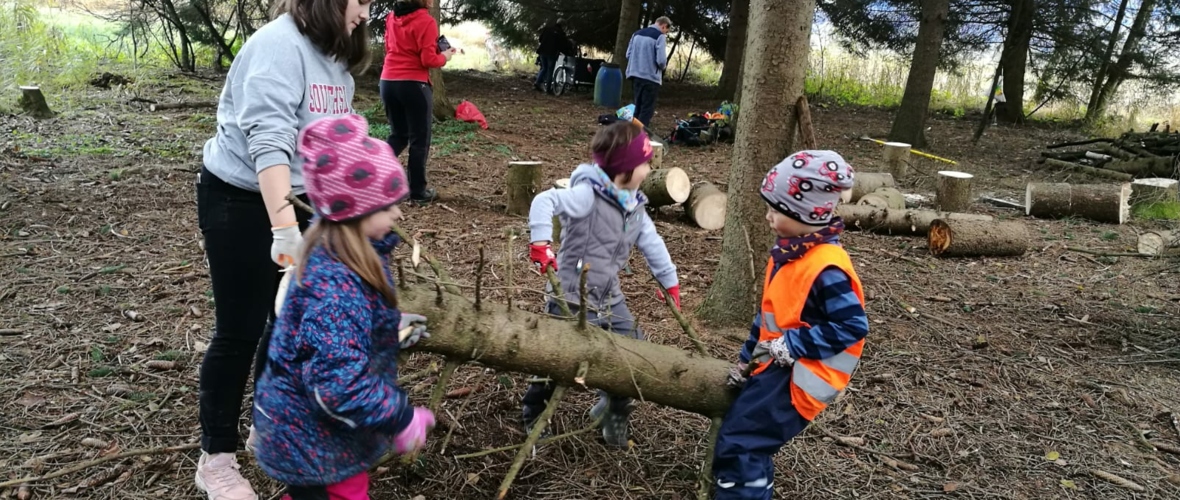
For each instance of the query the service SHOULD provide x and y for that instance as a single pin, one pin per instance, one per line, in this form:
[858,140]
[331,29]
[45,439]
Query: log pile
[1130,156]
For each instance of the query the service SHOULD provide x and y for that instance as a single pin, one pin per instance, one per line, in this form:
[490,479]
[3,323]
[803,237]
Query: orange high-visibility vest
[814,382]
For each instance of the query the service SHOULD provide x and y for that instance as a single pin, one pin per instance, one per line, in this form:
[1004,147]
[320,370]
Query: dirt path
[1014,379]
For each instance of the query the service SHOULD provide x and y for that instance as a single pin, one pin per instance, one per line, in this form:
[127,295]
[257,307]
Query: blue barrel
[608,86]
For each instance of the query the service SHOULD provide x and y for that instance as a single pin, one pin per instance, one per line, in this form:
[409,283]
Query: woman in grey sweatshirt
[292,71]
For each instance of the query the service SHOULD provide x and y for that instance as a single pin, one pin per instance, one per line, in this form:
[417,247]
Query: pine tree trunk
[443,109]
[773,72]
[1100,77]
[735,47]
[628,22]
[1119,70]
[1016,45]
[910,123]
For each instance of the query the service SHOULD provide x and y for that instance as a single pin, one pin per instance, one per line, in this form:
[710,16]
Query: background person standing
[553,42]
[647,58]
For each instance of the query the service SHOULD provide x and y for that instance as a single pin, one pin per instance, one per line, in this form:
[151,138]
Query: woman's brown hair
[322,21]
[614,137]
[346,242]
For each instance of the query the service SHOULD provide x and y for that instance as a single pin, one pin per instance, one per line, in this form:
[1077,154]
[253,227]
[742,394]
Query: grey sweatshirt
[596,231]
[278,83]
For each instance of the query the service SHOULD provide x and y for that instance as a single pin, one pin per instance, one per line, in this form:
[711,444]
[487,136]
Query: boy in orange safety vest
[809,332]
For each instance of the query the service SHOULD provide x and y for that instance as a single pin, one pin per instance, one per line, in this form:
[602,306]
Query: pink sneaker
[218,477]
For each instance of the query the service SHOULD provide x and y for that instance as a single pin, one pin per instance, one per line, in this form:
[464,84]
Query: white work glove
[287,244]
[414,326]
[776,350]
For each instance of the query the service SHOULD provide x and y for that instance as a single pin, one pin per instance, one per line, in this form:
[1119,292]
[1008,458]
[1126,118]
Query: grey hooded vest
[603,240]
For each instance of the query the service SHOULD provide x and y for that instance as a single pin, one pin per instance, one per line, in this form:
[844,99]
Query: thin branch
[531,441]
[100,461]
[590,428]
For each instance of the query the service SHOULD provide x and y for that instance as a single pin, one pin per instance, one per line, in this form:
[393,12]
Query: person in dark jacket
[327,406]
[411,51]
[554,42]
[647,58]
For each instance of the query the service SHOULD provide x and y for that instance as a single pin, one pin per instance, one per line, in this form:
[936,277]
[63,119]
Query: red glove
[674,292]
[542,255]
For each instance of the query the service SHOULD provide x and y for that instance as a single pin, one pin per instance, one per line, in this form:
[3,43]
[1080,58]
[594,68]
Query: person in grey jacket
[647,58]
[294,70]
[602,218]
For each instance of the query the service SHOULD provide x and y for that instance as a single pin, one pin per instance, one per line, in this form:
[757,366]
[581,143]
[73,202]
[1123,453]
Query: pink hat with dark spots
[349,174]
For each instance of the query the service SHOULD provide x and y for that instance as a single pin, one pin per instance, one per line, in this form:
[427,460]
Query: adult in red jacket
[411,50]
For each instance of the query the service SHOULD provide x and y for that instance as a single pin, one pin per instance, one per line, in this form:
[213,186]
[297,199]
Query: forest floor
[993,378]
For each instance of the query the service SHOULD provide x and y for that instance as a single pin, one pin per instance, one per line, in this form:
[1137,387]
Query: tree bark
[628,22]
[524,181]
[735,47]
[774,68]
[1016,45]
[866,182]
[897,158]
[898,222]
[666,186]
[524,342]
[706,206]
[1109,203]
[954,191]
[806,130]
[950,238]
[443,109]
[32,101]
[1119,70]
[1100,77]
[909,126]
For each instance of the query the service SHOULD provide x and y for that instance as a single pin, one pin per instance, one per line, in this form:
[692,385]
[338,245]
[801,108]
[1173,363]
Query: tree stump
[954,191]
[524,181]
[1109,203]
[558,184]
[897,222]
[1157,243]
[706,206]
[966,238]
[666,186]
[657,155]
[32,101]
[897,157]
[866,182]
[883,198]
[1153,190]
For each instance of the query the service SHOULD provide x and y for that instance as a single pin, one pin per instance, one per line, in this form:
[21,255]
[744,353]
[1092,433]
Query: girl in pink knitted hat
[327,405]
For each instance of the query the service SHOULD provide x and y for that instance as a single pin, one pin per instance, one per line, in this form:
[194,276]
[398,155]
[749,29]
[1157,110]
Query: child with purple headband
[602,219]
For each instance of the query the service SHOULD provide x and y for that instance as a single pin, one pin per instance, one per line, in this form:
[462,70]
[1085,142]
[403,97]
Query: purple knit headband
[624,160]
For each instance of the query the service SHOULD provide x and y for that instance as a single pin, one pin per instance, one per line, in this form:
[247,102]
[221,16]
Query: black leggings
[237,235]
[409,107]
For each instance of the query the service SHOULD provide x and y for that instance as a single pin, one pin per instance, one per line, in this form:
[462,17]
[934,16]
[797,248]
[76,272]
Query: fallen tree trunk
[968,238]
[1153,190]
[666,186]
[1109,203]
[519,341]
[866,182]
[1159,243]
[706,206]
[1145,167]
[898,222]
[954,191]
[1098,172]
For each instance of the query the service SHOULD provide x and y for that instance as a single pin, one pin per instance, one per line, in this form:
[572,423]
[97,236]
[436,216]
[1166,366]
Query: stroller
[573,72]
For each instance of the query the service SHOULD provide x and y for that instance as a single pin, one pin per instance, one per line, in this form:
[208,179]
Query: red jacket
[411,46]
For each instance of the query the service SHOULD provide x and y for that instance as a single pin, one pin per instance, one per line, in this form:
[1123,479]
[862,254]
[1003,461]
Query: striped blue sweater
[835,314]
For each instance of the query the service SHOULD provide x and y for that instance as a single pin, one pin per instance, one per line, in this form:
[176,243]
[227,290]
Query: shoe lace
[226,476]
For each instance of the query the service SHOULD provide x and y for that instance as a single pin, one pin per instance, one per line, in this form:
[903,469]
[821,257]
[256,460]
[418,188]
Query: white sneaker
[252,442]
[218,477]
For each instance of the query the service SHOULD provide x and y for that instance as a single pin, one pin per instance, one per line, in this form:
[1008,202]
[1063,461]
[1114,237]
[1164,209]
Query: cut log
[524,181]
[32,101]
[954,191]
[1160,166]
[657,155]
[181,105]
[883,198]
[806,131]
[666,186]
[1153,190]
[1097,172]
[968,238]
[524,342]
[897,222]
[706,206]
[866,182]
[1159,243]
[897,158]
[1109,203]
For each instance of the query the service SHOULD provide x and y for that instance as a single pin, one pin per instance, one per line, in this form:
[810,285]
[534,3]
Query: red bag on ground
[469,113]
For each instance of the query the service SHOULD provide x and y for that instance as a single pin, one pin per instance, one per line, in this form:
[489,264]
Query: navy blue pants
[645,92]
[760,421]
[618,321]
[548,66]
